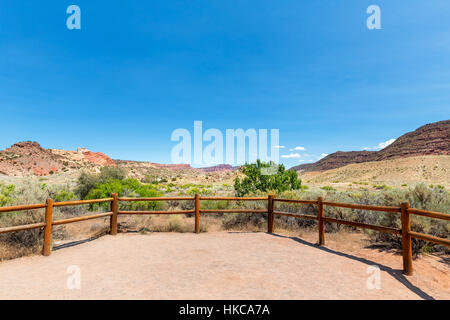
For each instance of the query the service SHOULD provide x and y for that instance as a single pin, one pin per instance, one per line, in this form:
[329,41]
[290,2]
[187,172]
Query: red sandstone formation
[98,158]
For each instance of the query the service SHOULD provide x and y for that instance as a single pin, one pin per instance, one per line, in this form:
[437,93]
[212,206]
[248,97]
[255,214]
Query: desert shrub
[110,172]
[150,179]
[87,181]
[420,196]
[27,241]
[5,194]
[381,187]
[258,179]
[187,205]
[219,204]
[244,221]
[201,191]
[126,188]
[113,180]
[176,224]
[64,195]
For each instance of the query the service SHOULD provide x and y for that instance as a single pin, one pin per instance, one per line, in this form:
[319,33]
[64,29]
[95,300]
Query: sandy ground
[216,265]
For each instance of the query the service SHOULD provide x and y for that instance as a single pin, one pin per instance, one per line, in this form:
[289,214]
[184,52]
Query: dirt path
[218,265]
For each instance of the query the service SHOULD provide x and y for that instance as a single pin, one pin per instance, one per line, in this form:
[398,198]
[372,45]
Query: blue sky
[138,70]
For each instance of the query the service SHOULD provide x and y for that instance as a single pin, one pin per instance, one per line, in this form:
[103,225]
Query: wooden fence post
[197,213]
[113,218]
[321,224]
[406,240]
[270,217]
[48,228]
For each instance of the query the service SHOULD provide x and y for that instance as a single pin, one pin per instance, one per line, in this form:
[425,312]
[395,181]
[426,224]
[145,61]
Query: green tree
[258,179]
[87,181]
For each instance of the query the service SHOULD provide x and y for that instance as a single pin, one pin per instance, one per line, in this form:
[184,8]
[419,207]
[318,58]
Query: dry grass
[162,223]
[424,169]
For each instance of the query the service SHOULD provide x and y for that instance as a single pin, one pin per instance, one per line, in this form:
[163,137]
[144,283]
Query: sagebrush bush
[28,241]
[30,192]
[420,197]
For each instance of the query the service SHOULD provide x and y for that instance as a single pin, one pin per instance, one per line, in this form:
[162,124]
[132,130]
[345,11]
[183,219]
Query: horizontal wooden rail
[405,211]
[296,201]
[156,199]
[233,211]
[235,198]
[157,212]
[427,237]
[303,216]
[430,214]
[24,207]
[23,227]
[364,225]
[362,206]
[80,202]
[83,218]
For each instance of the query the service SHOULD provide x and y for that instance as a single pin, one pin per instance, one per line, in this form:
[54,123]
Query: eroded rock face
[81,150]
[98,158]
[430,139]
[29,157]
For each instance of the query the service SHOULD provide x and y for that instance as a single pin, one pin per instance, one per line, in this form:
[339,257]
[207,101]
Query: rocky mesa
[430,139]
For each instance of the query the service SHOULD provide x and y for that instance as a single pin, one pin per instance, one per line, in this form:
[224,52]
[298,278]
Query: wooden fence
[404,210]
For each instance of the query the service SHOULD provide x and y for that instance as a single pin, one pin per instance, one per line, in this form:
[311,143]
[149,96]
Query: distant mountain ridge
[216,168]
[29,158]
[430,139]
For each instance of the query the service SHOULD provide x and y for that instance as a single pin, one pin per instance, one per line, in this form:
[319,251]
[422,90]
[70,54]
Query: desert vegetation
[284,184]
[264,177]
[419,196]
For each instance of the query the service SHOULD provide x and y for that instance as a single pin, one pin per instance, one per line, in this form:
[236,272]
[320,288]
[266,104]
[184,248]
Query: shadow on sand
[395,273]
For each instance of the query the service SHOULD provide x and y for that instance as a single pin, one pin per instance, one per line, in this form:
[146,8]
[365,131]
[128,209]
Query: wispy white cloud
[383,145]
[298,149]
[279,147]
[291,156]
[322,155]
[380,146]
